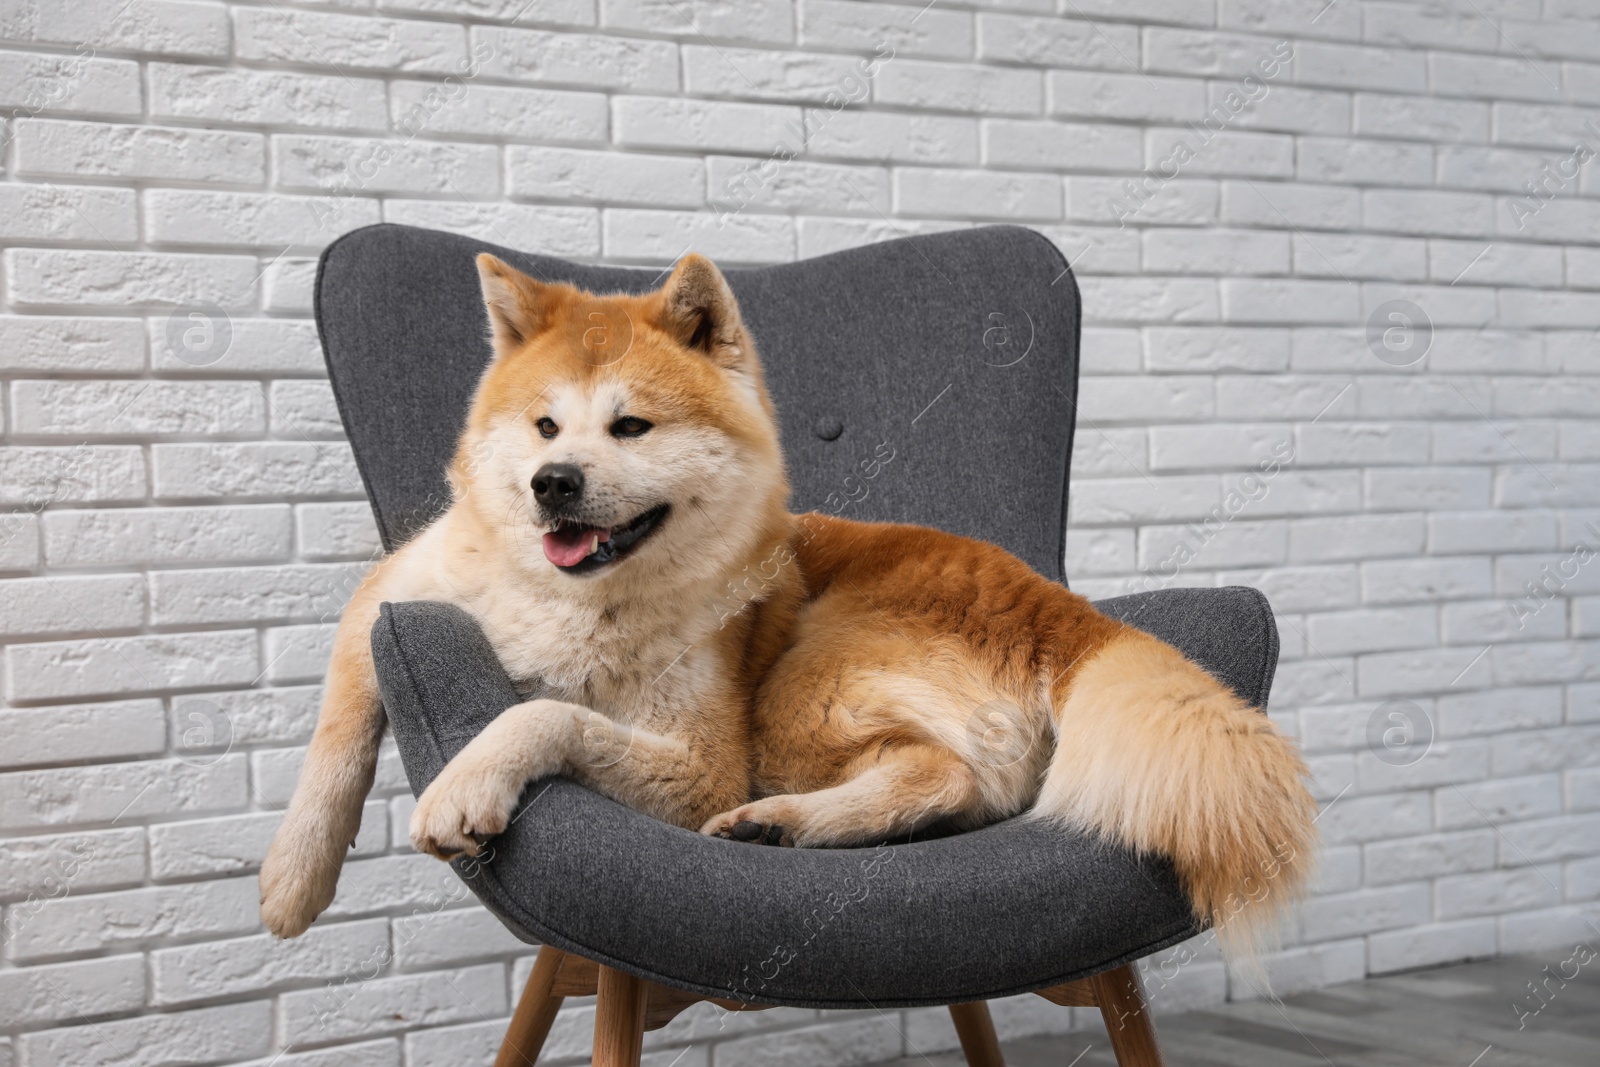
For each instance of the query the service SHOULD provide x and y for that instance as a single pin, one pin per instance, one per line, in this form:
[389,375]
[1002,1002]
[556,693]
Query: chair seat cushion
[1010,908]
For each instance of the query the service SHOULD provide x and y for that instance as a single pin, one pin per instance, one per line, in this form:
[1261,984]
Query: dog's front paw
[761,823]
[297,883]
[459,812]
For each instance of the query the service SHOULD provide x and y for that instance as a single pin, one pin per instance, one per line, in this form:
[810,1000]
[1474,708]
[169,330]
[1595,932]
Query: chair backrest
[931,379]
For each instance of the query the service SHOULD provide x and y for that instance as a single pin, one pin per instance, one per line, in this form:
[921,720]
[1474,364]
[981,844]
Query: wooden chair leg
[1127,1017]
[536,1010]
[619,1019]
[976,1030]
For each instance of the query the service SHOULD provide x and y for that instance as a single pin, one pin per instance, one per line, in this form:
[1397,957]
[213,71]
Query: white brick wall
[183,518]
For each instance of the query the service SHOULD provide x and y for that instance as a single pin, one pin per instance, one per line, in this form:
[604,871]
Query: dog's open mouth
[579,549]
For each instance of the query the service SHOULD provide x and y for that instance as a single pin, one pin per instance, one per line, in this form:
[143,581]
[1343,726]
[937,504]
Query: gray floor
[1459,1016]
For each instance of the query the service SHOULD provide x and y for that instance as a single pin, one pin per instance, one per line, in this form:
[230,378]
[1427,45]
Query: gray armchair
[957,355]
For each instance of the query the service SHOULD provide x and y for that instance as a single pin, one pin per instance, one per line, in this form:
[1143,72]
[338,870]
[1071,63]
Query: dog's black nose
[557,484]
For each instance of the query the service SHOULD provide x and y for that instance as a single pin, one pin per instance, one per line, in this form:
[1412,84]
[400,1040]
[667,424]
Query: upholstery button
[828,428]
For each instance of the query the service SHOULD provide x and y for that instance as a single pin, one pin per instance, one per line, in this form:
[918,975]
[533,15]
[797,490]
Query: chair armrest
[439,680]
[1230,631]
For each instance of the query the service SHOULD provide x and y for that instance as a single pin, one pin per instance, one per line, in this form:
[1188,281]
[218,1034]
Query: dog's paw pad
[746,830]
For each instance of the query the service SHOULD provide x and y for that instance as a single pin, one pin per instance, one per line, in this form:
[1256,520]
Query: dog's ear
[518,305]
[699,310]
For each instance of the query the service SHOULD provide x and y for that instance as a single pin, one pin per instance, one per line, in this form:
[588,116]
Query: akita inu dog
[874,680]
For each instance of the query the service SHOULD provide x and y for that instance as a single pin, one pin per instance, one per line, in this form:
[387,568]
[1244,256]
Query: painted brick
[1356,162]
[252,594]
[1107,200]
[325,39]
[1425,946]
[556,231]
[1309,967]
[1052,42]
[91,667]
[69,992]
[355,167]
[121,279]
[43,867]
[1287,301]
[92,149]
[1409,859]
[1289,16]
[1355,537]
[172,27]
[667,235]
[299,653]
[1285,108]
[1488,531]
[252,346]
[69,84]
[736,184]
[956,87]
[1365,911]
[328,954]
[580,60]
[853,26]
[662,122]
[898,138]
[802,77]
[1143,300]
[166,535]
[250,97]
[63,343]
[1277,204]
[435,938]
[81,732]
[1224,252]
[571,174]
[336,530]
[762,20]
[386,1005]
[111,792]
[924,191]
[250,219]
[1434,213]
[1489,805]
[67,213]
[1345,256]
[1200,349]
[500,112]
[93,409]
[1126,96]
[1225,152]
[1373,630]
[134,916]
[206,1035]
[287,284]
[235,844]
[264,469]
[69,604]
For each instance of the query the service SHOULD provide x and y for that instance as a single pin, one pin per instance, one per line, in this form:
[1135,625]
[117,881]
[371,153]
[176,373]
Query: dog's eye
[547,427]
[629,426]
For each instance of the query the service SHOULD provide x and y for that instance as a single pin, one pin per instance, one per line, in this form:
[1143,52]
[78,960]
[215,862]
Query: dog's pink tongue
[569,545]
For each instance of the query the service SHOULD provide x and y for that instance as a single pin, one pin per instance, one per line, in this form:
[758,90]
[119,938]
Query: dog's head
[616,435]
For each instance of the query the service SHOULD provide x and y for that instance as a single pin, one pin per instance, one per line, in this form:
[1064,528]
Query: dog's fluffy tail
[1154,752]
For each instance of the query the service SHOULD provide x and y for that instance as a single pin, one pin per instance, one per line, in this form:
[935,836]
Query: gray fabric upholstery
[1005,909]
[959,351]
[862,342]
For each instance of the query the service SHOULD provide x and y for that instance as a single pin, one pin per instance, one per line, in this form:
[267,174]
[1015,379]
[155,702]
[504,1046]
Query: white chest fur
[638,659]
